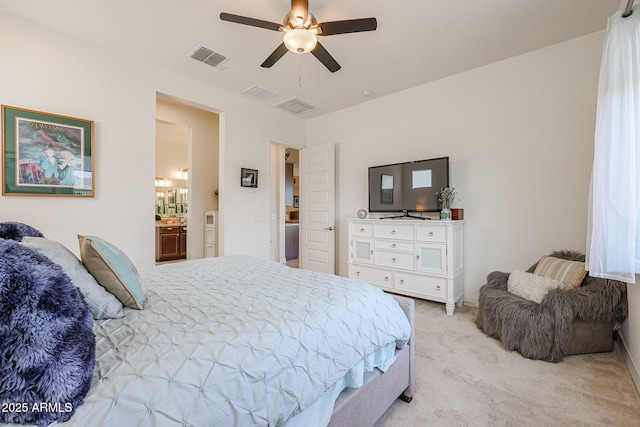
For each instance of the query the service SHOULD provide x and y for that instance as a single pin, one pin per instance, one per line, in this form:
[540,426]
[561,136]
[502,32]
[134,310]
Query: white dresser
[210,233]
[423,259]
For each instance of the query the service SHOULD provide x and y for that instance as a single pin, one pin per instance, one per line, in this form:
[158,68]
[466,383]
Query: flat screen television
[408,187]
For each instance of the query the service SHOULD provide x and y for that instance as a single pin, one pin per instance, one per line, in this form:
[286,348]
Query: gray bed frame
[363,406]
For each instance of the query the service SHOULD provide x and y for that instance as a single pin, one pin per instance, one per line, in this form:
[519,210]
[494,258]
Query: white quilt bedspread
[233,341]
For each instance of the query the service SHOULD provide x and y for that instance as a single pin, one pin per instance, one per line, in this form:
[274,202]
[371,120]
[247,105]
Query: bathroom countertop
[175,224]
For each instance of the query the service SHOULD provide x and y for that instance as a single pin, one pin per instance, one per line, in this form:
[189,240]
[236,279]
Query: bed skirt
[363,406]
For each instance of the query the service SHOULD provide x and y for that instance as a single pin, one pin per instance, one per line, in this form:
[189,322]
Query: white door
[318,209]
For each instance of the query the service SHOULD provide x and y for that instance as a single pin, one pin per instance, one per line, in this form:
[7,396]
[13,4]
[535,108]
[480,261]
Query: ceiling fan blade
[300,8]
[275,56]
[250,21]
[347,26]
[325,57]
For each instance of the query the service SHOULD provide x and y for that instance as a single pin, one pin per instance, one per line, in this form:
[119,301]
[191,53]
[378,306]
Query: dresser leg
[451,308]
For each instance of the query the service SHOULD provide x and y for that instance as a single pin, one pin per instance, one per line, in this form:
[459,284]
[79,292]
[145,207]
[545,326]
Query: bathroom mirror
[171,201]
[160,203]
[171,197]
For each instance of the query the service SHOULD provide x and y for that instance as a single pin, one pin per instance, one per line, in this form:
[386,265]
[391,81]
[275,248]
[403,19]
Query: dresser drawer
[434,288]
[210,235]
[393,245]
[374,276]
[360,229]
[169,230]
[390,259]
[431,233]
[394,231]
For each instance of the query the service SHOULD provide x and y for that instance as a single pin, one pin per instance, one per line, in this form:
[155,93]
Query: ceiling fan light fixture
[300,40]
[301,30]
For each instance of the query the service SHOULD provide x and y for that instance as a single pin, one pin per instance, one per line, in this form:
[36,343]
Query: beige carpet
[465,378]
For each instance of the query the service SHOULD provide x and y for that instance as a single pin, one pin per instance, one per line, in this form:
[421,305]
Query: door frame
[192,214]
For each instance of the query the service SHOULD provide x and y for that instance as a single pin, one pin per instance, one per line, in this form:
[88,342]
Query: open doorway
[285,204]
[171,186]
[198,174]
[292,207]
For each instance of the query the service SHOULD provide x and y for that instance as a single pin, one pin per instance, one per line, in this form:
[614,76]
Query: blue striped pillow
[113,270]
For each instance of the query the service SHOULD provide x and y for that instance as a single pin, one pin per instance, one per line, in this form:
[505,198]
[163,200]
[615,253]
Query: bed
[241,341]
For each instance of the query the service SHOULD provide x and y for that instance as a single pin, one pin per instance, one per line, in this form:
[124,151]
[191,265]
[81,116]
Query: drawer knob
[371,250]
[393,245]
[438,288]
[431,233]
[417,256]
[402,281]
[357,273]
[386,278]
[393,231]
[362,230]
[393,260]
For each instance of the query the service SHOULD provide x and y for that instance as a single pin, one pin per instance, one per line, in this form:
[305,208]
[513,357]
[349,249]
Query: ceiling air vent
[208,56]
[260,92]
[294,105]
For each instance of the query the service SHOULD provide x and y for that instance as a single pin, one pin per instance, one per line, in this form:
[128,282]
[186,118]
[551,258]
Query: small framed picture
[249,178]
[46,154]
[296,201]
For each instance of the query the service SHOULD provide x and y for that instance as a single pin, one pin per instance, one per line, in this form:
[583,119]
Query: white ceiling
[417,41]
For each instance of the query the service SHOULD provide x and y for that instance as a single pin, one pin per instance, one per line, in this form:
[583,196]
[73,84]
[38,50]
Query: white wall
[172,150]
[47,71]
[519,134]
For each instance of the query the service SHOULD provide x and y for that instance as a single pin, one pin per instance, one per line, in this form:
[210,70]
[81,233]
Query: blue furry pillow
[16,231]
[47,344]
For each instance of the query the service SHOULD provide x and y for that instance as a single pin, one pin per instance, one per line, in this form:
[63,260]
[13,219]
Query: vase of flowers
[445,198]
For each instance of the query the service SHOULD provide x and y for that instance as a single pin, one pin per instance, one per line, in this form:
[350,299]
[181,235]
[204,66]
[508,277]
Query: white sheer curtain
[613,246]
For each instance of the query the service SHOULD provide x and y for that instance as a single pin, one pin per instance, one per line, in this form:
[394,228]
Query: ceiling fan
[300,30]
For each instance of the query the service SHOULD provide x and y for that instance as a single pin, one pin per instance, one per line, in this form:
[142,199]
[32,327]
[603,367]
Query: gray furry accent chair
[565,322]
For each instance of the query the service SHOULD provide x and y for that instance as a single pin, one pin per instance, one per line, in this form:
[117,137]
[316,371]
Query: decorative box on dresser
[419,258]
[210,234]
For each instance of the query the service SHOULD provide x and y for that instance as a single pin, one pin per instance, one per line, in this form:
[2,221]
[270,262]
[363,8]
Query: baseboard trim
[631,365]
[471,300]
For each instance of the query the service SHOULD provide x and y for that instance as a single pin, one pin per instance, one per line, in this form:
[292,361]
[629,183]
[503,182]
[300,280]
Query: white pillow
[531,286]
[101,303]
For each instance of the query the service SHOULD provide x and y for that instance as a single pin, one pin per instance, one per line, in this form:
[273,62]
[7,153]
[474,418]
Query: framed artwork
[249,178]
[296,201]
[46,154]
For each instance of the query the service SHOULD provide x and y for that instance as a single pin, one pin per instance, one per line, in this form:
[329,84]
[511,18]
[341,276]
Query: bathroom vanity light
[183,173]
[162,182]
